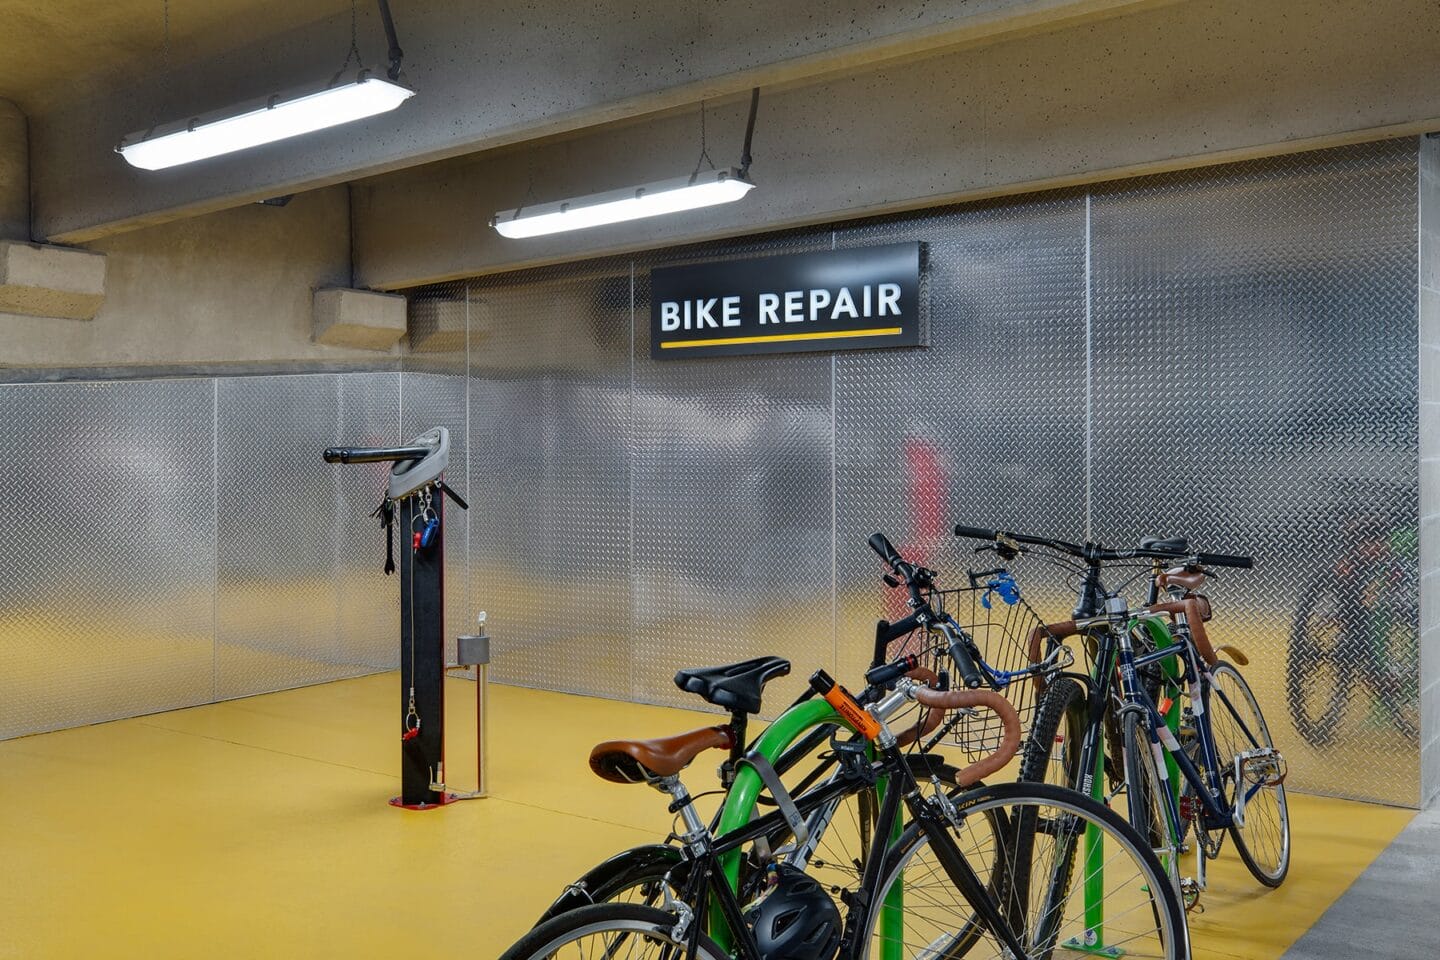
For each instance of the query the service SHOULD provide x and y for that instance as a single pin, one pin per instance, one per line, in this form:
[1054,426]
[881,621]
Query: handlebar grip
[975,533]
[882,546]
[1225,560]
[375,454]
[965,664]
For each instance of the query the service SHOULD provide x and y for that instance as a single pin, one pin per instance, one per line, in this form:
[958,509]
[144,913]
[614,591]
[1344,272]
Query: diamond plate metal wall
[301,597]
[550,473]
[1167,352]
[986,426]
[108,551]
[731,493]
[1255,389]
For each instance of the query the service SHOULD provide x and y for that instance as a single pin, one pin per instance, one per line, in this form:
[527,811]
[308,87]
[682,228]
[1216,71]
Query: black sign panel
[833,300]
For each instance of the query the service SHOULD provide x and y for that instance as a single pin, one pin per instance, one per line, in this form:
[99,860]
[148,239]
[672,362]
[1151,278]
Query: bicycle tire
[1306,659]
[1144,800]
[1058,726]
[1270,876]
[1022,805]
[546,940]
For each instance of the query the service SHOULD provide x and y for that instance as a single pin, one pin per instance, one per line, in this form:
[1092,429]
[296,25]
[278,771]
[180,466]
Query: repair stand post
[415,502]
[422,584]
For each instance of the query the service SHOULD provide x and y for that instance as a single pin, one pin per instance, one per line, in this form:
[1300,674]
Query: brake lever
[1005,551]
[890,579]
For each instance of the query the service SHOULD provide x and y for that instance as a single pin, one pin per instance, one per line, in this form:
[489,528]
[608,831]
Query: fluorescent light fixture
[262,121]
[631,203]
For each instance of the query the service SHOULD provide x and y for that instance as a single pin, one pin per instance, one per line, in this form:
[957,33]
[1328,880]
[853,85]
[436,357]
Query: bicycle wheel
[1052,751]
[607,930]
[1314,690]
[1239,726]
[1145,789]
[1067,873]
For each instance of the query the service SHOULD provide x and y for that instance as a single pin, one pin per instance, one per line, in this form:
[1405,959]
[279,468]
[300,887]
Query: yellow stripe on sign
[782,338]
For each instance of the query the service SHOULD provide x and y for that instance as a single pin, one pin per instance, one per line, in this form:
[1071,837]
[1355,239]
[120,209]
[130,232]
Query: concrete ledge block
[361,319]
[39,280]
[437,325]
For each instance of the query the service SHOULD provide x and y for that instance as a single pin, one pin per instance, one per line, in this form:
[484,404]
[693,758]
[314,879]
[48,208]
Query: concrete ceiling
[61,43]
[489,76]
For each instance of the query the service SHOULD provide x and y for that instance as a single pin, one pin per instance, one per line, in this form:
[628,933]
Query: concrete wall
[1429,472]
[1166,88]
[233,286]
[14,173]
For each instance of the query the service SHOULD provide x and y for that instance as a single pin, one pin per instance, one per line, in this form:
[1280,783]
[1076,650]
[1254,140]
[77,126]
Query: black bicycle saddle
[734,686]
[1174,544]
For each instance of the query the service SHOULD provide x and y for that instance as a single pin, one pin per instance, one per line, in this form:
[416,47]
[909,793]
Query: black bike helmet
[796,919]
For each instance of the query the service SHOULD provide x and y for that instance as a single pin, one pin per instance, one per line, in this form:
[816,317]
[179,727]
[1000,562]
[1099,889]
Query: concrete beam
[45,281]
[235,287]
[14,173]
[361,319]
[1173,87]
[488,75]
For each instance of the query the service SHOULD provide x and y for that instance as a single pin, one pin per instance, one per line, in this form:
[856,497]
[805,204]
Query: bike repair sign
[831,300]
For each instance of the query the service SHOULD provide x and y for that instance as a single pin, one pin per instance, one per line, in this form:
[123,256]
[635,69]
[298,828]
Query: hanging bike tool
[415,501]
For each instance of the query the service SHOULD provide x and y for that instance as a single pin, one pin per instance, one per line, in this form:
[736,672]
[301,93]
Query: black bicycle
[837,837]
[988,872]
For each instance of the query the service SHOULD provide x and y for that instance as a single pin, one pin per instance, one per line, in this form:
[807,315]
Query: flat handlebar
[1094,552]
[376,454]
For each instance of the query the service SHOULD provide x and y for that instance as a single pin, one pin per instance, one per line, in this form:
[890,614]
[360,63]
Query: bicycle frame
[713,888]
[1116,653]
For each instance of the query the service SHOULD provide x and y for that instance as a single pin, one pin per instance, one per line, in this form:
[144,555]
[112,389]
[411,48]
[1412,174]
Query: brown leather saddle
[735,686]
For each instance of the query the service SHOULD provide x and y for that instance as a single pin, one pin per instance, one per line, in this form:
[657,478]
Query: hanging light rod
[263,121]
[633,203]
[281,116]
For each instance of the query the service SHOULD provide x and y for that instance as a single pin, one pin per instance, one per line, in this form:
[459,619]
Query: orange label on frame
[853,713]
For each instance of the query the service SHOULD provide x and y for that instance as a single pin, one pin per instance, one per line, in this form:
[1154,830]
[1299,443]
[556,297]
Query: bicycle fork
[935,825]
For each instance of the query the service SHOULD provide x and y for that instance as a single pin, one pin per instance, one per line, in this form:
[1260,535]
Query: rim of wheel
[1271,860]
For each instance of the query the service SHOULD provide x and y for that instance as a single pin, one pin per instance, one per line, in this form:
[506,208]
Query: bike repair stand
[415,499]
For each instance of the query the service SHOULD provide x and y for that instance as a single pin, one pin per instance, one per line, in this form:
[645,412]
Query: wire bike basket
[1005,628]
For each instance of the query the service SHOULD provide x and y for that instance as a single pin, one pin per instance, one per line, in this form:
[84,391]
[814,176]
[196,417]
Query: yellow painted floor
[259,828]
